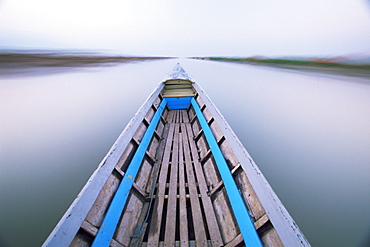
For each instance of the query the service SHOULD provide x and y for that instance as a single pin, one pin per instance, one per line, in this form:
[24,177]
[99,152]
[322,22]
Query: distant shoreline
[21,64]
[12,63]
[62,60]
[355,70]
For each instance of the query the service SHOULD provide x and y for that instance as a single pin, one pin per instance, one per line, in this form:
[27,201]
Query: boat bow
[177,176]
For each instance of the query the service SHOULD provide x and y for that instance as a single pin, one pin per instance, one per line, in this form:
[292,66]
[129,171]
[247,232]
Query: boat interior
[178,197]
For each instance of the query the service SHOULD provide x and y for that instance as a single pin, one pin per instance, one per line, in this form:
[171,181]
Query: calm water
[308,133]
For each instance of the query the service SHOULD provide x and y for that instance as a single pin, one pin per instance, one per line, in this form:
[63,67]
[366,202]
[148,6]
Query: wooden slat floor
[182,211]
[178,197]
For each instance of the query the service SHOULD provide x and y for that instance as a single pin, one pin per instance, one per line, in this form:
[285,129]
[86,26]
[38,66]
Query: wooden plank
[97,211]
[209,152]
[114,243]
[176,119]
[80,240]
[213,228]
[151,185]
[139,240]
[199,230]
[271,239]
[240,211]
[261,221]
[199,100]
[200,132]
[193,118]
[120,172]
[143,174]
[211,174]
[146,122]
[127,155]
[149,115]
[138,235]
[170,228]
[236,241]
[228,153]
[201,140]
[139,191]
[177,86]
[155,225]
[288,231]
[185,116]
[170,81]
[184,232]
[206,156]
[169,117]
[183,92]
[163,119]
[158,130]
[127,224]
[226,220]
[139,134]
[155,105]
[158,159]
[221,183]
[89,228]
[108,227]
[216,130]
[180,120]
[249,195]
[180,116]
[153,147]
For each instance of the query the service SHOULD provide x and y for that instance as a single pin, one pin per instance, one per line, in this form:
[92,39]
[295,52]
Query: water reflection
[308,134]
[44,62]
[55,129]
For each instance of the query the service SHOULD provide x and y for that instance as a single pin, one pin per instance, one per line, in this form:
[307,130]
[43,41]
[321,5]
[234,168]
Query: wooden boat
[177,176]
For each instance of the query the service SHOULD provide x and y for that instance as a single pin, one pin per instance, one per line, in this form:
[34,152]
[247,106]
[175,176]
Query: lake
[308,133]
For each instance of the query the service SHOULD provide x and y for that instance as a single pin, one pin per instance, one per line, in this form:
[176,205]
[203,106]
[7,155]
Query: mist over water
[308,133]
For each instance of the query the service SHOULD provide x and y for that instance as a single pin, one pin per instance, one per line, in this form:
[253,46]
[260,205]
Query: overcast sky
[189,28]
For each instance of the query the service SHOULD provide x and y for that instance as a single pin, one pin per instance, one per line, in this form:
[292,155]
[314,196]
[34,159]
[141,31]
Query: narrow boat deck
[177,176]
[187,203]
[181,190]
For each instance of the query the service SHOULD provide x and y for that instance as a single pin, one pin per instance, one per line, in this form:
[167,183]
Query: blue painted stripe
[176,103]
[245,223]
[109,225]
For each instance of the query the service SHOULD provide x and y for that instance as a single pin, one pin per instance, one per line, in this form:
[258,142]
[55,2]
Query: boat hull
[163,183]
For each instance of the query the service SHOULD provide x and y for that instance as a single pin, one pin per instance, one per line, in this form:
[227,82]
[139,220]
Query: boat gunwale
[277,213]
[69,224]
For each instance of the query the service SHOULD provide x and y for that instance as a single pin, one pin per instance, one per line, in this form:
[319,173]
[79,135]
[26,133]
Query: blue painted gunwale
[288,231]
[241,214]
[109,224]
[68,226]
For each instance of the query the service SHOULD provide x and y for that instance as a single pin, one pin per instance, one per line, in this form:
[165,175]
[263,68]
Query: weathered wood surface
[69,225]
[172,193]
[199,230]
[178,197]
[155,226]
[211,220]
[183,228]
[283,224]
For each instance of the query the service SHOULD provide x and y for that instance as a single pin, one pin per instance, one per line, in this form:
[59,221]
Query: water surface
[308,133]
